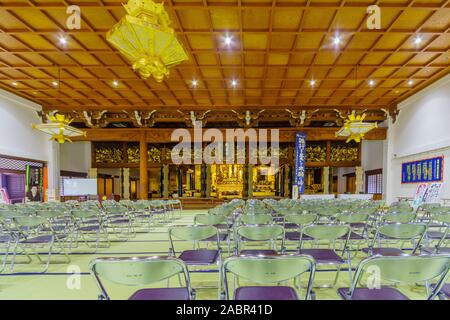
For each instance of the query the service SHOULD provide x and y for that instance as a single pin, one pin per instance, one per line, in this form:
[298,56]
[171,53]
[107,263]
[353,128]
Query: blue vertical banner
[300,162]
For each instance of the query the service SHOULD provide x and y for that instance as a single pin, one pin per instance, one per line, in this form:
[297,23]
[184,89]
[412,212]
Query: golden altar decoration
[316,153]
[145,38]
[108,154]
[58,126]
[355,128]
[229,180]
[344,153]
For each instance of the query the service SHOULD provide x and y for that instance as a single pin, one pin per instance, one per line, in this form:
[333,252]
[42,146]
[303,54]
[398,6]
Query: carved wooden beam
[156,135]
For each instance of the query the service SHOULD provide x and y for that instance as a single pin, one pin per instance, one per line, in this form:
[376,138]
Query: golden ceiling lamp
[58,126]
[145,38]
[355,128]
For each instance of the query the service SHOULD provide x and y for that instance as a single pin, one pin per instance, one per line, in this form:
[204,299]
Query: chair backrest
[402,231]
[399,217]
[442,217]
[50,214]
[210,219]
[30,221]
[137,270]
[301,219]
[327,211]
[84,213]
[406,269]
[352,217]
[194,233]
[326,232]
[255,219]
[269,269]
[260,232]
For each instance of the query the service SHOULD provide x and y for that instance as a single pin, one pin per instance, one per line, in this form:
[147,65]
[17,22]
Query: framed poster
[423,171]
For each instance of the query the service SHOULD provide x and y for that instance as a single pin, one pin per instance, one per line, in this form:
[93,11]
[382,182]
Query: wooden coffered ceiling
[277,47]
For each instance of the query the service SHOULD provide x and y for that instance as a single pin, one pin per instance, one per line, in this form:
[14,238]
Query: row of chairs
[273,277]
[38,229]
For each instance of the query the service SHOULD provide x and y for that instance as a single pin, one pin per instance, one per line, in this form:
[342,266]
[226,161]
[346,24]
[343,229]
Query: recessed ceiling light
[228,40]
[62,40]
[337,40]
[312,82]
[418,40]
[115,83]
[194,83]
[372,82]
[234,83]
[410,83]
[55,83]
[15,83]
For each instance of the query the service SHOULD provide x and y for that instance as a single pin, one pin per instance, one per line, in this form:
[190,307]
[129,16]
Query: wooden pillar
[277,184]
[180,182]
[250,181]
[359,180]
[143,167]
[208,181]
[126,183]
[326,180]
[165,181]
[203,180]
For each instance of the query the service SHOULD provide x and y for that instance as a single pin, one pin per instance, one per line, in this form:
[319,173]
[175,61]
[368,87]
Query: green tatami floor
[61,283]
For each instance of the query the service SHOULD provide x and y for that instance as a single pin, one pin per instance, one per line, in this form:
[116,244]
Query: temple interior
[231,150]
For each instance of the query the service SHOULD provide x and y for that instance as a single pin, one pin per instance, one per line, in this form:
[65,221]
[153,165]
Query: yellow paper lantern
[355,128]
[59,128]
[145,38]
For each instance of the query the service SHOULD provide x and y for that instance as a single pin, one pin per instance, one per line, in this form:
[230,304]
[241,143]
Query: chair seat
[39,239]
[359,225]
[385,293]
[120,221]
[295,236]
[433,250]
[89,228]
[446,290]
[354,236]
[161,294]
[437,235]
[387,252]
[56,228]
[323,256]
[257,252]
[4,239]
[265,293]
[199,257]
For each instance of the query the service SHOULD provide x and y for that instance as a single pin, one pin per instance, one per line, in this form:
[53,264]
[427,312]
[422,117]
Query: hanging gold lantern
[59,128]
[145,38]
[354,128]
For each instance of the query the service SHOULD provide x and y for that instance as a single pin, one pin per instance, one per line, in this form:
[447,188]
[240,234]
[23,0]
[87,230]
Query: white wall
[422,130]
[372,154]
[76,156]
[17,138]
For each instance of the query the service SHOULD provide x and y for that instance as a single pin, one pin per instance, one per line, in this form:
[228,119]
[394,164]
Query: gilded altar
[228,180]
